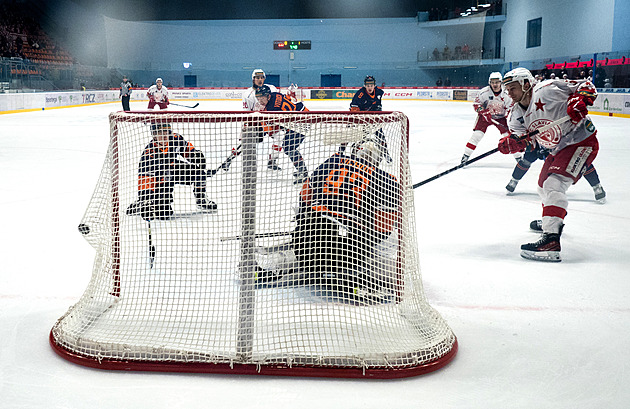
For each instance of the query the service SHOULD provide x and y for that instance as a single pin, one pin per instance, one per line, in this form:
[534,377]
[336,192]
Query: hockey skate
[464,158]
[149,210]
[600,194]
[545,249]
[371,296]
[266,278]
[511,186]
[206,205]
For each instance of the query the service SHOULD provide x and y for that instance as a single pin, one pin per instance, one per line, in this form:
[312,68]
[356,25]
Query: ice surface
[531,335]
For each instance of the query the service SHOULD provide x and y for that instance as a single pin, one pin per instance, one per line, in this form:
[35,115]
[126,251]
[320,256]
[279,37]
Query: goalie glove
[512,144]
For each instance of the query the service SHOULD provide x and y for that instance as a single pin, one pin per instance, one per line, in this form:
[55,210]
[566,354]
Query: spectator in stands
[600,76]
[465,52]
[446,53]
[436,54]
[438,83]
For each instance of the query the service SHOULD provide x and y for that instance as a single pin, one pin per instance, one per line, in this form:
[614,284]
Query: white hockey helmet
[258,71]
[519,75]
[367,149]
[495,76]
[158,80]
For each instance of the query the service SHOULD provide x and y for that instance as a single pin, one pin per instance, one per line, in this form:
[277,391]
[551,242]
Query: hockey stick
[483,155]
[185,106]
[227,162]
[151,247]
[260,235]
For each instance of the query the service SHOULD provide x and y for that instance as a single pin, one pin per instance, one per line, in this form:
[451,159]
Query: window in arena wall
[534,31]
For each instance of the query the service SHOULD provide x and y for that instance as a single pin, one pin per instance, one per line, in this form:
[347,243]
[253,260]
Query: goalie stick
[185,106]
[260,235]
[483,155]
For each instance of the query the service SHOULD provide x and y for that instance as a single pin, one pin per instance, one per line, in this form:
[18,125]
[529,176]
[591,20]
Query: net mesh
[288,271]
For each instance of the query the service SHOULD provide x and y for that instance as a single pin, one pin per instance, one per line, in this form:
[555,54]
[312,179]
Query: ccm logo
[400,94]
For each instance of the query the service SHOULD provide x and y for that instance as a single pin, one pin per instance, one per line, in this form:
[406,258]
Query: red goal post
[176,295]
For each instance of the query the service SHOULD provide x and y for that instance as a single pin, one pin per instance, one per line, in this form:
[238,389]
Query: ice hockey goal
[241,289]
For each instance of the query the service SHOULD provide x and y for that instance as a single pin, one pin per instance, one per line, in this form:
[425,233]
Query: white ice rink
[531,334]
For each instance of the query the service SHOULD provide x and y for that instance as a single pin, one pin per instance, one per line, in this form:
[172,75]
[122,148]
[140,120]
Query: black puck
[84,229]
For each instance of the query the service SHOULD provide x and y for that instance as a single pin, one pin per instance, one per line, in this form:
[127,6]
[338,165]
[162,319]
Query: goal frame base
[249,369]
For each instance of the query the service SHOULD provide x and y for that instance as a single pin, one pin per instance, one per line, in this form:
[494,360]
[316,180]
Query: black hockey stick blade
[185,106]
[475,159]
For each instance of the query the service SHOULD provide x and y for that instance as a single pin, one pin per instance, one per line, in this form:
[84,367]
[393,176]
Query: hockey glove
[541,152]
[486,115]
[576,108]
[355,109]
[511,144]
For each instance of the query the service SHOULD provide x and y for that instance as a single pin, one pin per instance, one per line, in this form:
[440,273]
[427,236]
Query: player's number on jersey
[344,182]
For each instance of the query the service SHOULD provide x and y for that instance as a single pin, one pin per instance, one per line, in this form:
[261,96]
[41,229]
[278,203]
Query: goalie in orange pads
[348,207]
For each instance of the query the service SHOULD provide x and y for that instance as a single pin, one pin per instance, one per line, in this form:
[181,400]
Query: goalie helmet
[369,80]
[263,91]
[495,76]
[367,149]
[258,71]
[155,128]
[519,75]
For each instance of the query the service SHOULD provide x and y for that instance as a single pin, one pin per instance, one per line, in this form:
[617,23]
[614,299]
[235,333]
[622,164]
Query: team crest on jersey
[589,126]
[549,138]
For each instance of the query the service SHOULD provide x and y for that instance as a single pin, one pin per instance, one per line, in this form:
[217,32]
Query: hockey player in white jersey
[492,105]
[158,95]
[572,146]
[250,103]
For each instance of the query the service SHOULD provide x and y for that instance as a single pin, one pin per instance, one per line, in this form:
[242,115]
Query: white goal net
[255,243]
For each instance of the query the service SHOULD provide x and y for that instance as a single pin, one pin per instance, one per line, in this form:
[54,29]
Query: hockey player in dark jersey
[368,98]
[348,206]
[166,161]
[275,101]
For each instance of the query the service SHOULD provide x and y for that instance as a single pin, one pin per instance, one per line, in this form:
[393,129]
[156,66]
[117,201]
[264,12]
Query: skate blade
[548,256]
